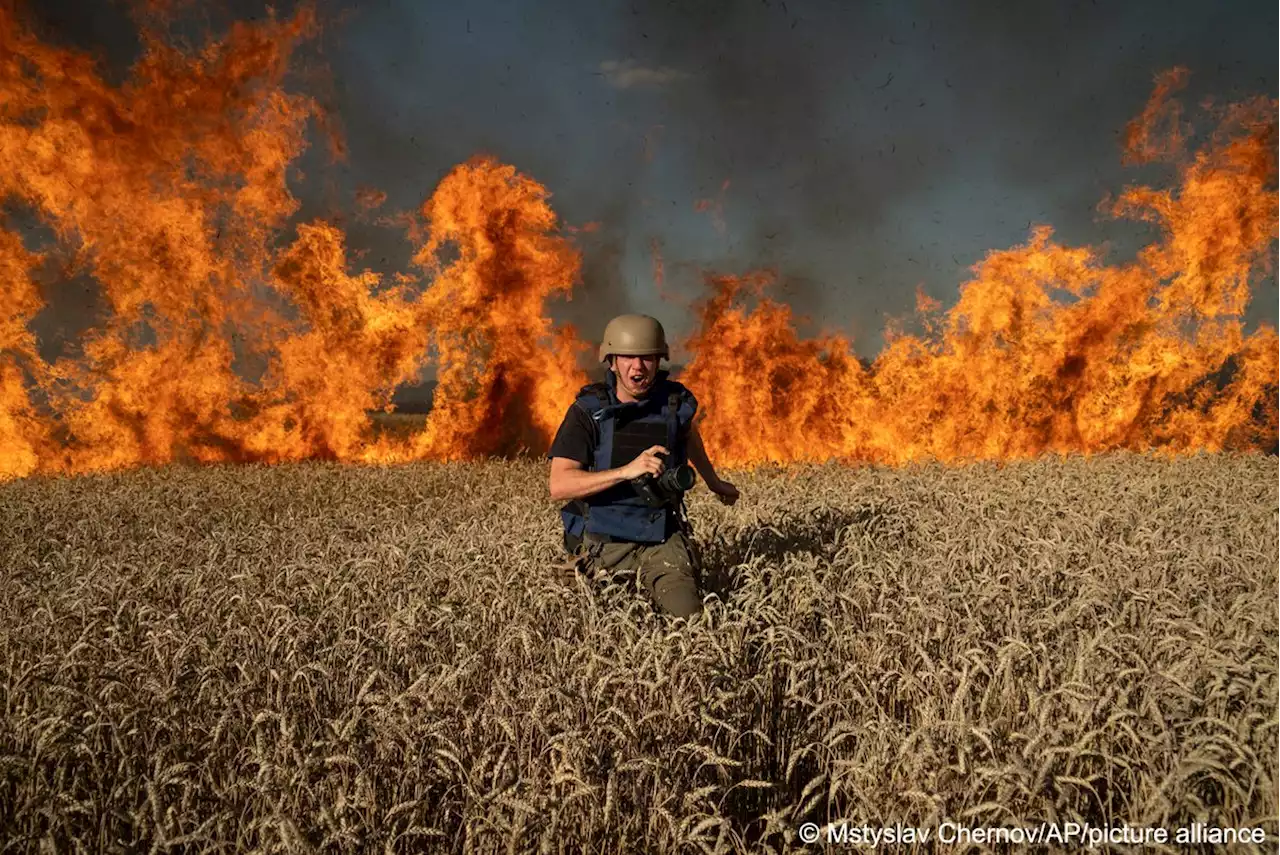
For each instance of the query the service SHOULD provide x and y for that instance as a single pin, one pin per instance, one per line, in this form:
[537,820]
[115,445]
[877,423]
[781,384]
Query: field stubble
[336,658]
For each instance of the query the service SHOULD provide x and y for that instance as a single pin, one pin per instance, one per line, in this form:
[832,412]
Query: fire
[170,191]
[231,333]
[1049,349]
[22,434]
[164,190]
[505,375]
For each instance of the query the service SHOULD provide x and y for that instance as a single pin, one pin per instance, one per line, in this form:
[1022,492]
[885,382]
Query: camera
[666,488]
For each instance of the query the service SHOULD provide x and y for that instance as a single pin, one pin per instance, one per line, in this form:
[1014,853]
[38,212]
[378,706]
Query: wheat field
[328,658]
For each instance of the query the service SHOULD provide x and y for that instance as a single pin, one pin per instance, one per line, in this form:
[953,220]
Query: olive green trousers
[664,571]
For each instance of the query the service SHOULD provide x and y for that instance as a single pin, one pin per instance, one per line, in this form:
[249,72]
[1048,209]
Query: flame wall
[171,193]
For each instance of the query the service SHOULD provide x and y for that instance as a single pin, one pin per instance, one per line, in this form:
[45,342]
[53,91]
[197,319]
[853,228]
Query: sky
[869,149]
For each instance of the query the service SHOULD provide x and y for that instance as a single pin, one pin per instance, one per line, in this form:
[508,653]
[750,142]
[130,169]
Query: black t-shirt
[576,437]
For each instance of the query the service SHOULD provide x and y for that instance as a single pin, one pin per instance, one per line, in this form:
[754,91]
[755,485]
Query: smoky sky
[869,148]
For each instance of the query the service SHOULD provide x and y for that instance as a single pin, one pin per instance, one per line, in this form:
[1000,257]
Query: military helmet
[634,335]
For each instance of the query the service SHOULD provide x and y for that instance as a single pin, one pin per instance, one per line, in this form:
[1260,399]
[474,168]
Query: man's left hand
[725,492]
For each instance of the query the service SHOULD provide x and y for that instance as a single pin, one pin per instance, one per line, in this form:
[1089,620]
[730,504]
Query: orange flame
[166,189]
[1158,133]
[1048,348]
[221,342]
[170,191]
[370,199]
[22,435]
[505,375]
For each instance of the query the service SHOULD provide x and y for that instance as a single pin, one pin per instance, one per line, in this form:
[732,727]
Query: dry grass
[339,659]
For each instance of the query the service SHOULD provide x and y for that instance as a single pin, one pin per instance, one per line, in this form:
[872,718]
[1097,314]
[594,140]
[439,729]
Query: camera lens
[679,478]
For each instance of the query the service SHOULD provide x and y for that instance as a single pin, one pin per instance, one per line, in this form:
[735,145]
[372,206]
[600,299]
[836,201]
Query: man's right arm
[571,480]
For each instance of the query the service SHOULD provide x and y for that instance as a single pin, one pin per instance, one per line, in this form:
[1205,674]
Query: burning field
[1018,568]
[228,332]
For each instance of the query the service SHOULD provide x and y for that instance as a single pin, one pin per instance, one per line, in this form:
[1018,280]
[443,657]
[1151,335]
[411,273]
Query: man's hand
[725,492]
[648,463]
[569,480]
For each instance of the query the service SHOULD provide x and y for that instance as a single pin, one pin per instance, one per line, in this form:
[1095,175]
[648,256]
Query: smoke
[874,148]
[870,149]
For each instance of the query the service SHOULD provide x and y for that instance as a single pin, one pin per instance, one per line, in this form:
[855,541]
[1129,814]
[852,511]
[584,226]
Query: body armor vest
[622,432]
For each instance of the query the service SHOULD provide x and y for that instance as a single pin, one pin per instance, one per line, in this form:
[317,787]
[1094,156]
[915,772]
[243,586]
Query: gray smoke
[870,148]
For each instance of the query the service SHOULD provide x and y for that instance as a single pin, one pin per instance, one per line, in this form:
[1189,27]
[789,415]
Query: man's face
[636,374]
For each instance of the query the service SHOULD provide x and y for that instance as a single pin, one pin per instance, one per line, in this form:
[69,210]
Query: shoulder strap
[673,417]
[679,396]
[595,400]
[593,395]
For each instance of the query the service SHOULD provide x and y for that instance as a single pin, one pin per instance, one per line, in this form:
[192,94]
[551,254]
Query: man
[633,426]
